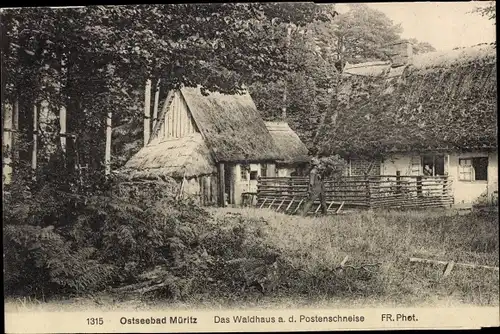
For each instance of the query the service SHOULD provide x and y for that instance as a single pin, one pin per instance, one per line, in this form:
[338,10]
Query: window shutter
[465,170]
[416,165]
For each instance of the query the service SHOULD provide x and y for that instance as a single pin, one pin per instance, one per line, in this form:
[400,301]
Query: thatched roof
[372,68]
[187,156]
[231,126]
[441,100]
[291,148]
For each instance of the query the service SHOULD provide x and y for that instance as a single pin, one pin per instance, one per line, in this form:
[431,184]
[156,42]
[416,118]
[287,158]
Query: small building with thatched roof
[216,145]
[429,114]
[294,155]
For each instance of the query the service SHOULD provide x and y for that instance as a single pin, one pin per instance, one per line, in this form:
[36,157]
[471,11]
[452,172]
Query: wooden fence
[287,194]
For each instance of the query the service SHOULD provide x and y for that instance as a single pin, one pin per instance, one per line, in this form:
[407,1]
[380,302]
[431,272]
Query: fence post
[368,192]
[398,182]
[419,186]
[445,184]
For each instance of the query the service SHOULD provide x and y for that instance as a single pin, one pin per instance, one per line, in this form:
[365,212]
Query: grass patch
[297,261]
[319,244]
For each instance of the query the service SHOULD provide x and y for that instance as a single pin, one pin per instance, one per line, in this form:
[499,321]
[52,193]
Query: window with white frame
[473,169]
[243,173]
[433,165]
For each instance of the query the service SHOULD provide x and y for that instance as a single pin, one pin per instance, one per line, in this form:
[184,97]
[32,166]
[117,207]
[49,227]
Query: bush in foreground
[61,243]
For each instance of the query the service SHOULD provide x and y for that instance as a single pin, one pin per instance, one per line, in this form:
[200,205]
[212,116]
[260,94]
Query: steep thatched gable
[291,148]
[180,157]
[231,126]
[442,100]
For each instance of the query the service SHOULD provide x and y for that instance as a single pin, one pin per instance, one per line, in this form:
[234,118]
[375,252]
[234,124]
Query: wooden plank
[342,264]
[263,202]
[279,206]
[290,204]
[465,265]
[272,202]
[340,208]
[317,209]
[298,206]
[329,206]
[170,114]
[156,103]
[449,268]
[413,201]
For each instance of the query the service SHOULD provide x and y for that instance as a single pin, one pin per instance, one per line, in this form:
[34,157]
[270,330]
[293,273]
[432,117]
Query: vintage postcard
[265,166]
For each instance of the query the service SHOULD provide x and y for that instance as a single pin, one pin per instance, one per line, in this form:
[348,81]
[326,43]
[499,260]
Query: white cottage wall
[284,172]
[464,192]
[493,175]
[395,163]
[467,192]
[242,182]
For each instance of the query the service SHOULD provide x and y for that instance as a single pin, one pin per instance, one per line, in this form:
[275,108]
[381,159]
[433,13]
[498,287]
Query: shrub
[58,242]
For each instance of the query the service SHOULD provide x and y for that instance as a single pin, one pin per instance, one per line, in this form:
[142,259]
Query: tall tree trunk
[62,125]
[147,111]
[330,113]
[107,154]
[7,143]
[62,108]
[15,133]
[288,39]
[35,140]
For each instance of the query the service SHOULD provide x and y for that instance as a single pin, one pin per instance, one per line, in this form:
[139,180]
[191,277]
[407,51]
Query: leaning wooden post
[107,153]
[156,103]
[35,141]
[147,111]
[7,143]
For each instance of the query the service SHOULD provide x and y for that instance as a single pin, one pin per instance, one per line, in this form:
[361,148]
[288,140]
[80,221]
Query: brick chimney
[400,53]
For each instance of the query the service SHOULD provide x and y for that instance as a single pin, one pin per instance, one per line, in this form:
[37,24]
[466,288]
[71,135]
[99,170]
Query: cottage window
[243,174]
[473,169]
[253,175]
[433,165]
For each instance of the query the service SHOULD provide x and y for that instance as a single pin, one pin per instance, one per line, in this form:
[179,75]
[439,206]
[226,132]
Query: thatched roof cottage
[217,145]
[428,114]
[294,155]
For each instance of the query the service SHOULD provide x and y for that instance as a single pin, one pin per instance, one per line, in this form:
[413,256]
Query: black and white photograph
[282,165]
